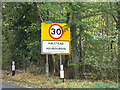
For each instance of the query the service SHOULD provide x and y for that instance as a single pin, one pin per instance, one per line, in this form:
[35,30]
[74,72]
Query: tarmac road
[5,86]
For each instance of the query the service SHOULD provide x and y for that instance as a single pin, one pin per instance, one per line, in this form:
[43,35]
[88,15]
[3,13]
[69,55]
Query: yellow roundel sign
[55,38]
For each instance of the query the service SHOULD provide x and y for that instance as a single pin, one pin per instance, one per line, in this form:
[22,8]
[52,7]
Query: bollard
[61,73]
[13,68]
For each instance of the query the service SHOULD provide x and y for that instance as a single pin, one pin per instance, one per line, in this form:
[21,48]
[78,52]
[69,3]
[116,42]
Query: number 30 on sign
[55,31]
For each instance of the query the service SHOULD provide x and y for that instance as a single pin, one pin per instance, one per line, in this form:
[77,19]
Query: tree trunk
[107,28]
[51,64]
[80,48]
[75,58]
[118,28]
[67,56]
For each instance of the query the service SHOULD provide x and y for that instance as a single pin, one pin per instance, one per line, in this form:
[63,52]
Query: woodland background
[95,38]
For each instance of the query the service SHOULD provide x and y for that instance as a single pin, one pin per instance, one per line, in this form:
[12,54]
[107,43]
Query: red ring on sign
[51,35]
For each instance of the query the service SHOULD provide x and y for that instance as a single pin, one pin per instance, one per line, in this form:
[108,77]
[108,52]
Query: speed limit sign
[55,38]
[55,31]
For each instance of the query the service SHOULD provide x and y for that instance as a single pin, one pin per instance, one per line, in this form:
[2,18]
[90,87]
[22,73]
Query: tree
[93,37]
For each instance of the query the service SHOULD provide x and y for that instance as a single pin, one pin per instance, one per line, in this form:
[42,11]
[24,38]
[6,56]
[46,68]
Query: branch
[68,14]
[38,16]
[114,18]
[2,15]
[78,35]
[113,15]
[68,17]
[48,14]
[90,15]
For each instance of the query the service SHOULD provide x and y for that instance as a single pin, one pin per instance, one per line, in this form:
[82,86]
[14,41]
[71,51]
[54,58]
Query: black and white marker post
[61,70]
[13,68]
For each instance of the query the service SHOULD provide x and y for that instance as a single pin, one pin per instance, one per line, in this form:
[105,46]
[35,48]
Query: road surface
[6,85]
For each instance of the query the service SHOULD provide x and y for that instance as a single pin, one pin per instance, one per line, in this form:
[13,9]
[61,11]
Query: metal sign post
[55,39]
[60,59]
[47,69]
[61,70]
[47,65]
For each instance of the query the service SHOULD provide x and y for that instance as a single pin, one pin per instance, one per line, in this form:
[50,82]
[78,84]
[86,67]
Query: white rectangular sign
[55,47]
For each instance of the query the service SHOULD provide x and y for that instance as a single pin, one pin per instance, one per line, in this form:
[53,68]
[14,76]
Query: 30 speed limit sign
[55,38]
[55,31]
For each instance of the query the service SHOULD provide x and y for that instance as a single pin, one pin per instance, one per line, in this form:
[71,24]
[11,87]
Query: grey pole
[60,59]
[47,65]
[61,70]
[47,69]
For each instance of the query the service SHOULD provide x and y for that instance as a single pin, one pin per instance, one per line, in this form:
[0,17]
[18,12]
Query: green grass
[57,81]
[95,85]
[103,85]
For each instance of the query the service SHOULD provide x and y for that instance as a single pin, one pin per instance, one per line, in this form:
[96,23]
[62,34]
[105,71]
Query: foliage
[38,81]
[103,85]
[57,81]
[94,37]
